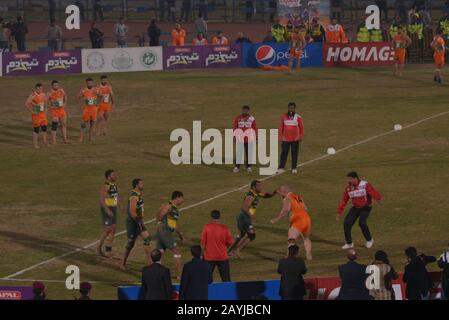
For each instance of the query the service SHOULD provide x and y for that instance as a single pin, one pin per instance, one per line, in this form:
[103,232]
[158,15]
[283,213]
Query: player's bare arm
[268,195]
[286,206]
[163,211]
[29,104]
[79,98]
[103,193]
[132,208]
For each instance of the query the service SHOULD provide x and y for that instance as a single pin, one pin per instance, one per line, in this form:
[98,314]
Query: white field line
[231,191]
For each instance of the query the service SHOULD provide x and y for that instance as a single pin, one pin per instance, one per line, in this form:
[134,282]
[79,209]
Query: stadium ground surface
[49,197]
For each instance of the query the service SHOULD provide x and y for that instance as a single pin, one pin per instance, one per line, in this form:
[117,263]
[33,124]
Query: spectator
[443,263]
[153,33]
[279,32]
[20,30]
[201,25]
[316,31]
[416,27]
[215,240]
[178,35]
[199,40]
[291,133]
[156,280]
[185,10]
[52,9]
[97,10]
[400,9]
[292,269]
[249,10]
[38,291]
[202,8]
[446,7]
[54,36]
[411,13]
[242,39]
[353,277]
[220,39]
[85,288]
[80,6]
[196,276]
[171,10]
[387,274]
[272,5]
[4,35]
[395,26]
[96,36]
[335,32]
[416,277]
[121,31]
[269,38]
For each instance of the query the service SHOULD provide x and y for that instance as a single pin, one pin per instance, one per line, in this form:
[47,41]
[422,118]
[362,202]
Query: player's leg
[83,129]
[36,131]
[63,125]
[298,61]
[250,237]
[100,121]
[105,120]
[178,261]
[54,128]
[224,270]
[109,241]
[146,244]
[285,148]
[350,219]
[131,232]
[103,237]
[44,134]
[91,130]
[295,153]
[363,223]
[290,63]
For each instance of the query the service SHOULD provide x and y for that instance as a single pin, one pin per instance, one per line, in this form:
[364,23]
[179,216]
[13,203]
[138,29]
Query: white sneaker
[236,170]
[280,170]
[370,243]
[294,171]
[348,246]
[249,169]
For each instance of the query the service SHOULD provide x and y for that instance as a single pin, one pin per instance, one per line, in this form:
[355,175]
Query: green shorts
[134,229]
[108,221]
[165,240]
[244,223]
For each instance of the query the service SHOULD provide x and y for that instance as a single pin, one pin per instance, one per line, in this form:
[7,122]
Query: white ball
[330,151]
[397,127]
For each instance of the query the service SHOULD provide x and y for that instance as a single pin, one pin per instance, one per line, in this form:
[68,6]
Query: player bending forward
[300,223]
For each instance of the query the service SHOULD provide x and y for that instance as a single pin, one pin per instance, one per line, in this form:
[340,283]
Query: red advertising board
[358,54]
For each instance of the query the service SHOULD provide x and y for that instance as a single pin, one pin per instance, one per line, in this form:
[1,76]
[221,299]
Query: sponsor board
[222,56]
[186,57]
[16,293]
[358,54]
[121,59]
[62,62]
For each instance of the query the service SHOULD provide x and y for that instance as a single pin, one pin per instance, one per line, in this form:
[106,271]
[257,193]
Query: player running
[296,45]
[400,44]
[88,101]
[247,217]
[106,102]
[109,202]
[134,222]
[167,224]
[300,224]
[36,104]
[438,45]
[57,100]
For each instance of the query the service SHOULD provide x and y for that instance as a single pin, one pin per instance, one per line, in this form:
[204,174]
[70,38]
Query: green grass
[50,196]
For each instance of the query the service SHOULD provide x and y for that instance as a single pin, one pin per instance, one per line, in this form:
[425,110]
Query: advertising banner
[62,62]
[183,57]
[226,56]
[276,54]
[16,293]
[121,59]
[23,63]
[358,54]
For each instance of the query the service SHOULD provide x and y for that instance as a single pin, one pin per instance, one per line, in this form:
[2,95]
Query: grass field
[49,197]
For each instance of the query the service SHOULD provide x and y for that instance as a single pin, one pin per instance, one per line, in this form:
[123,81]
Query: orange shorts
[105,107]
[302,225]
[439,60]
[295,53]
[39,119]
[399,56]
[90,114]
[58,113]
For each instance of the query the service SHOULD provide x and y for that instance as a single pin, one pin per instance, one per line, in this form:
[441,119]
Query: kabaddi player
[297,43]
[57,100]
[167,224]
[438,45]
[300,224]
[36,104]
[400,44]
[134,223]
[88,101]
[109,202]
[247,217]
[106,102]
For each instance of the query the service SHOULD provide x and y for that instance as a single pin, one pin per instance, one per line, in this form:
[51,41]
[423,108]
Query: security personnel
[444,23]
[395,25]
[376,35]
[316,31]
[178,36]
[363,34]
[279,32]
[416,27]
[335,33]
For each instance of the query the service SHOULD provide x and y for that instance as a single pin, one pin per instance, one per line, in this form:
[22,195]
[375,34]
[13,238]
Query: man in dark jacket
[353,279]
[292,269]
[96,36]
[416,276]
[20,31]
[443,263]
[195,279]
[153,33]
[156,280]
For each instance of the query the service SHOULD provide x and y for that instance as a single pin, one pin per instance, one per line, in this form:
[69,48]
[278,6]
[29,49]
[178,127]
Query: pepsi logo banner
[277,54]
[16,293]
[358,54]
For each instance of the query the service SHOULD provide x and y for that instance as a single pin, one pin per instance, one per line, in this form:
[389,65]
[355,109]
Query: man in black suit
[415,276]
[195,279]
[353,279]
[292,269]
[156,280]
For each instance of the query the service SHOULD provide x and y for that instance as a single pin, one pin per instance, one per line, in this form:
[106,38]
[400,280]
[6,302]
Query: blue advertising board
[276,54]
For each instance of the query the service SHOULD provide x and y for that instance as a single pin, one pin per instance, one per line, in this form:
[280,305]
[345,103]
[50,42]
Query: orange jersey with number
[440,51]
[105,96]
[38,118]
[89,97]
[299,218]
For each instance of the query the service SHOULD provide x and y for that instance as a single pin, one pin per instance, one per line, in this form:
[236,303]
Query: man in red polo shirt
[361,194]
[244,122]
[215,240]
[291,133]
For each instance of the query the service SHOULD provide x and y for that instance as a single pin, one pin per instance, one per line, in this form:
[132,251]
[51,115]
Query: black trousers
[247,164]
[223,269]
[285,148]
[357,213]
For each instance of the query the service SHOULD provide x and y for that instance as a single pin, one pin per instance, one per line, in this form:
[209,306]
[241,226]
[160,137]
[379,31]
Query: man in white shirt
[120,33]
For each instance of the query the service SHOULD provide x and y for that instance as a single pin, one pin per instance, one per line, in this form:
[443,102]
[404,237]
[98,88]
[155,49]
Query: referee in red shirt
[291,133]
[215,240]
[361,194]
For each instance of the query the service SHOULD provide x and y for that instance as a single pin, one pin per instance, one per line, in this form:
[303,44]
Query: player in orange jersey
[300,224]
[88,101]
[400,44]
[297,44]
[439,47]
[36,104]
[57,100]
[105,104]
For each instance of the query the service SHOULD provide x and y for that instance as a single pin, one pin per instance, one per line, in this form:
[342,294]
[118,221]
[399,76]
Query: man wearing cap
[85,288]
[38,291]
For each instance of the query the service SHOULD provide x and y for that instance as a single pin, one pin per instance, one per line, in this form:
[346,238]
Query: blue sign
[276,54]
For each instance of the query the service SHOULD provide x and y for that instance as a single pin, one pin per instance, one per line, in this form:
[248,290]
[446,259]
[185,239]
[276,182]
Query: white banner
[122,59]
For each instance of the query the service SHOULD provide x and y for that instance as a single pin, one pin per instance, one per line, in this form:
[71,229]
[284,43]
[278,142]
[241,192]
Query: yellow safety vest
[376,35]
[416,28]
[363,35]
